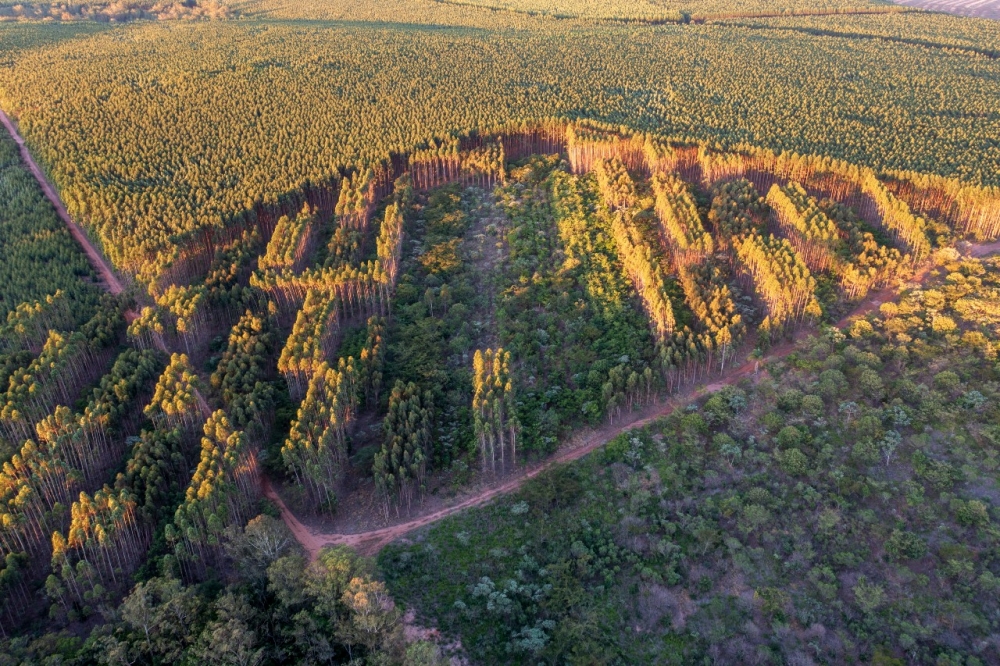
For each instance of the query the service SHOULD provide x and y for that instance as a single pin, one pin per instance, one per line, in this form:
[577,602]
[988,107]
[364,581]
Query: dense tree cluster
[184,312]
[176,401]
[242,374]
[223,491]
[401,464]
[678,214]
[737,209]
[194,163]
[103,544]
[315,452]
[935,30]
[37,255]
[28,324]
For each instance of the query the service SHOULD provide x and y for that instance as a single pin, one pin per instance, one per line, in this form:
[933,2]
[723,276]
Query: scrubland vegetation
[838,507]
[386,256]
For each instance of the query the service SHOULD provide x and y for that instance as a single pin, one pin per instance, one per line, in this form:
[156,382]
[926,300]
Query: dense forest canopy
[179,127]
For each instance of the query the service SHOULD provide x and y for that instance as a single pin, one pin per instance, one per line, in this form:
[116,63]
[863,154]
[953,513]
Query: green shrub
[871,385]
[793,462]
[789,436]
[773,421]
[971,514]
[947,380]
[902,545]
[865,451]
[790,400]
[813,405]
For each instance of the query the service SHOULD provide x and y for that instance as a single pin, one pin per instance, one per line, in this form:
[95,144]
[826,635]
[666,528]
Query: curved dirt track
[111,281]
[372,541]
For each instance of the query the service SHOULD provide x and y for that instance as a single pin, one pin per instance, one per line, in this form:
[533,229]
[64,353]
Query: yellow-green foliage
[154,131]
[668,10]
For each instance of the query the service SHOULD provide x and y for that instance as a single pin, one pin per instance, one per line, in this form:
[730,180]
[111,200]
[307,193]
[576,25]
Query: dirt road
[372,541]
[111,281]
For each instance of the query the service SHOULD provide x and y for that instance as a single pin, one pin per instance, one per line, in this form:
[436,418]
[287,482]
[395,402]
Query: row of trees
[704,282]
[636,254]
[494,408]
[73,453]
[588,143]
[224,490]
[769,266]
[445,161]
[315,451]
[400,466]
[176,399]
[780,278]
[291,242]
[677,211]
[707,294]
[814,235]
[906,229]
[313,339]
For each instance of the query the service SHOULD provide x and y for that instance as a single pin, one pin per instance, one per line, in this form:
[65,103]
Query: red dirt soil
[111,281]
[370,542]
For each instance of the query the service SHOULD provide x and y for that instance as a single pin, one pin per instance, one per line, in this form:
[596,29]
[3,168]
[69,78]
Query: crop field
[508,331]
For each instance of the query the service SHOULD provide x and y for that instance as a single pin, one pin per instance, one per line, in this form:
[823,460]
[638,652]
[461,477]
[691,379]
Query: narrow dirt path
[374,540]
[111,281]
[370,542]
